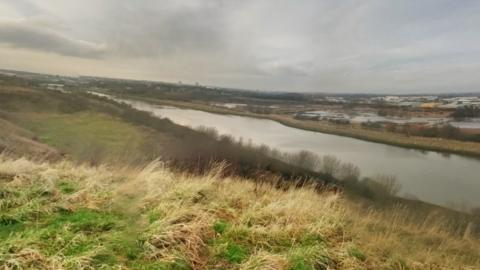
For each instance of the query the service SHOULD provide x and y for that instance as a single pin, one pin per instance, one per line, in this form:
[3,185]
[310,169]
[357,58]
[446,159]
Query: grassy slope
[391,138]
[59,215]
[96,130]
[71,205]
[19,141]
[39,123]
[79,133]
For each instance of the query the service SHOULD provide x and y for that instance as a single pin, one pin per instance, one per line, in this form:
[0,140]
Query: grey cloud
[301,45]
[24,35]
[25,7]
[161,28]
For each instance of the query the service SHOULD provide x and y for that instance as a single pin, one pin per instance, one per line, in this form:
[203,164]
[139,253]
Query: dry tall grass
[399,239]
[65,216]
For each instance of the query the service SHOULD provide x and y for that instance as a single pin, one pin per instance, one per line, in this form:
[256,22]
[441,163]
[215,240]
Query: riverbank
[414,142]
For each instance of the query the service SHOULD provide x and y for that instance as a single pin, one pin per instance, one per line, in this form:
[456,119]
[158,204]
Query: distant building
[391,99]
[430,105]
[55,86]
[452,105]
[335,99]
[409,104]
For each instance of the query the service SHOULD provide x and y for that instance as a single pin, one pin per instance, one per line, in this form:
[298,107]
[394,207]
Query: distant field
[84,133]
[71,126]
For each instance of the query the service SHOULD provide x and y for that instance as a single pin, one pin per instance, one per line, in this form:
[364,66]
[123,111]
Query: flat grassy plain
[66,216]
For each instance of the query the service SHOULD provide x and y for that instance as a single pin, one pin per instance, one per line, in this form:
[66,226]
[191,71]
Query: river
[430,176]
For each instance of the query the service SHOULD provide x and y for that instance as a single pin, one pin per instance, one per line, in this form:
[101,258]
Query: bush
[305,159]
[466,112]
[348,172]
[387,184]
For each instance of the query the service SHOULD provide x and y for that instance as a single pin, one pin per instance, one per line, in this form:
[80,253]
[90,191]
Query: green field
[85,133]
[77,127]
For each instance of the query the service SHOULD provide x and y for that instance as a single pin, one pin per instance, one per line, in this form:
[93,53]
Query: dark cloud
[24,35]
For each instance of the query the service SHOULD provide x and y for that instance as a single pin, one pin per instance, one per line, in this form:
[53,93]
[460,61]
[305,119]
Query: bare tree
[305,159]
[330,165]
[389,184]
[348,172]
[212,132]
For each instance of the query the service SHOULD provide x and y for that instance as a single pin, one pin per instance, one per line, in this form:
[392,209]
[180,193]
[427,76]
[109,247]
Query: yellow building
[430,105]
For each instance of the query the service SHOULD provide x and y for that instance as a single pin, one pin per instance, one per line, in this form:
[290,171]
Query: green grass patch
[6,220]
[310,239]
[67,187]
[104,258]
[220,226]
[300,264]
[357,253]
[7,230]
[226,248]
[309,258]
[127,244]
[154,216]
[85,135]
[234,253]
[84,220]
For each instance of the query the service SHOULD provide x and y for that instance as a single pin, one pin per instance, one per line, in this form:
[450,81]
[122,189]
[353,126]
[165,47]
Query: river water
[429,176]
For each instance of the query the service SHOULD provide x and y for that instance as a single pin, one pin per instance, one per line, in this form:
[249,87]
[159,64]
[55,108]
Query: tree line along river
[430,176]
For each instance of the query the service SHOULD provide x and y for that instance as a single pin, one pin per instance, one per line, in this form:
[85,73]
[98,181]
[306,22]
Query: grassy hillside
[17,140]
[72,125]
[65,216]
[90,129]
[101,203]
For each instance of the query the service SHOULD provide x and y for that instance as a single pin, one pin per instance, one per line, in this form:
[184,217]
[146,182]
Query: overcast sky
[354,46]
